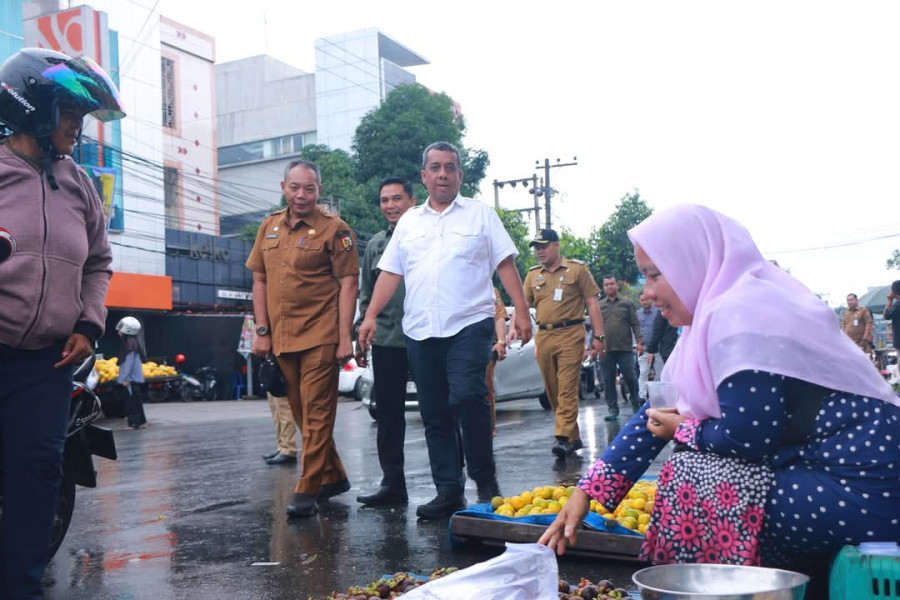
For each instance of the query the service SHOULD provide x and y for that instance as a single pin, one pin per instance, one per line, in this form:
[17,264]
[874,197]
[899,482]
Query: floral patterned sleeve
[623,463]
[752,421]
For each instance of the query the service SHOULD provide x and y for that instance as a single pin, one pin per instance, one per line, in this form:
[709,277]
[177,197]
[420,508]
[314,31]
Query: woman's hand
[500,349]
[663,424]
[565,527]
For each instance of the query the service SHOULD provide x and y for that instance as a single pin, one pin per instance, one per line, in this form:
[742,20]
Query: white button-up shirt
[447,260]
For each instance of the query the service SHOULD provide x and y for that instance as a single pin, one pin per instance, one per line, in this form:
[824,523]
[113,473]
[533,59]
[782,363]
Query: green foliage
[518,230]
[390,139]
[575,247]
[339,182]
[614,252]
[894,261]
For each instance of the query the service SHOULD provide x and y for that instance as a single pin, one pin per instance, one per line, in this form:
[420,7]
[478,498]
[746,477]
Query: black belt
[547,326]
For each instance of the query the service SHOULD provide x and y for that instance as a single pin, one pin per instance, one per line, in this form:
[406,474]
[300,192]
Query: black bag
[271,377]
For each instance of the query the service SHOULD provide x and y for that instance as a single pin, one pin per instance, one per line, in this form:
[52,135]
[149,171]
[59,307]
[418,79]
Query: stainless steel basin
[719,582]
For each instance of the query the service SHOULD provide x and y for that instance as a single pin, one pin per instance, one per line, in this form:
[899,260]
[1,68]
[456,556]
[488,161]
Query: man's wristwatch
[262,330]
[600,338]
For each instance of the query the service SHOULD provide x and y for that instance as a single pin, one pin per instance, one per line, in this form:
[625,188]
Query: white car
[517,376]
[350,381]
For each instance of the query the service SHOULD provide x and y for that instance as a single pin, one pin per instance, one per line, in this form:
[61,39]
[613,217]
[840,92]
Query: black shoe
[302,505]
[636,406]
[272,455]
[441,507]
[328,490]
[566,447]
[557,448]
[282,459]
[487,491]
[385,496]
[611,417]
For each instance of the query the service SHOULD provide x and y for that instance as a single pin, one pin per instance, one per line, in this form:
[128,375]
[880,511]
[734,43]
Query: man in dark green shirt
[389,362]
[620,323]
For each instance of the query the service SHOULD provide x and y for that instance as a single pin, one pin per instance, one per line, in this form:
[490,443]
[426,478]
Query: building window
[168,93]
[172,197]
[286,145]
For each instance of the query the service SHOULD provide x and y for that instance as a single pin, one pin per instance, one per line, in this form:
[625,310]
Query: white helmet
[128,326]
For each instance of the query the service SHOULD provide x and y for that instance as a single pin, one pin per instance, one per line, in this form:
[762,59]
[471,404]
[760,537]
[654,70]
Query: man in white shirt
[446,251]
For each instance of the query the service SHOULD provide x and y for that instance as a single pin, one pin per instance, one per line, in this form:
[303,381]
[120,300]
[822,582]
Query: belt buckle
[549,326]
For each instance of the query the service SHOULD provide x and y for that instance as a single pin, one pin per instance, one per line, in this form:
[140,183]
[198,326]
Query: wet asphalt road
[190,506]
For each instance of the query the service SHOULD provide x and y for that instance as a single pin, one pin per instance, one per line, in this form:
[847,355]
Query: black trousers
[625,362]
[449,374]
[390,366]
[34,407]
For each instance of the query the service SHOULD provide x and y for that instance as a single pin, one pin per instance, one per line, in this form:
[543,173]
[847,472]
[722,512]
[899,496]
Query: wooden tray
[594,544]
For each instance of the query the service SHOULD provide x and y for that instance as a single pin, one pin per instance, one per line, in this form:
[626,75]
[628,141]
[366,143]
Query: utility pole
[549,191]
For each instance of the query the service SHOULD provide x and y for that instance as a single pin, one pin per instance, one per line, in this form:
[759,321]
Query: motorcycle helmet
[128,326]
[271,378]
[35,82]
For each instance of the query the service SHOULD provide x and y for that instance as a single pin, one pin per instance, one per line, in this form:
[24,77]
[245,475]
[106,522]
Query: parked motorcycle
[202,385]
[83,440]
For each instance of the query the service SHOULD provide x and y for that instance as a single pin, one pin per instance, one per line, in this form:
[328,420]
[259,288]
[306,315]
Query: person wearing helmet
[52,288]
[131,370]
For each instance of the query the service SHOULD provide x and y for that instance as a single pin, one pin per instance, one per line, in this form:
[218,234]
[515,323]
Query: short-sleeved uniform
[854,323]
[302,265]
[558,298]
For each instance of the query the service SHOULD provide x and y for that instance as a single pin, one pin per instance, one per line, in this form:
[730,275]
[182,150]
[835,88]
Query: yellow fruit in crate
[517,502]
[554,506]
[527,497]
[629,523]
[638,503]
[496,502]
[643,519]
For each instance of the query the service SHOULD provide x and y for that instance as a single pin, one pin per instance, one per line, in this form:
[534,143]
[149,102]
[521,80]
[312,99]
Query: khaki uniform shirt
[559,295]
[620,322]
[854,322]
[302,265]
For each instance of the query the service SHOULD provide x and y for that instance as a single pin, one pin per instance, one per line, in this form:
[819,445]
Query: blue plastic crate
[867,572]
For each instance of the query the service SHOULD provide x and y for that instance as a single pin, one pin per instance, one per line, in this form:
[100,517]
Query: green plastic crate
[857,575]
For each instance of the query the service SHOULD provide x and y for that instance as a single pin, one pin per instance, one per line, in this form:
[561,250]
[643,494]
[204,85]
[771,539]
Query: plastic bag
[523,572]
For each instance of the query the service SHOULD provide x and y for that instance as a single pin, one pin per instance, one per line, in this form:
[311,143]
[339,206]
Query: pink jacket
[55,284]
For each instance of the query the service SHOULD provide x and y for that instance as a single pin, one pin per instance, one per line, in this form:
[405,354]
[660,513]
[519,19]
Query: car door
[518,376]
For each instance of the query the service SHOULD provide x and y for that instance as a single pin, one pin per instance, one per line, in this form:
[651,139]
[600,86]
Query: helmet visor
[83,83]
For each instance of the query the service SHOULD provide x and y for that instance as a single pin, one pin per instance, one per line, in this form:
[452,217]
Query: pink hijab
[748,314]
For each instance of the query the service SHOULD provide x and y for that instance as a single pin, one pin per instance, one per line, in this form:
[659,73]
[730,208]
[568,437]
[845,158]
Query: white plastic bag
[523,572]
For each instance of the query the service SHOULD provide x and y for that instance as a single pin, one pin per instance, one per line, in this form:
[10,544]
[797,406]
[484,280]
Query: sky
[784,115]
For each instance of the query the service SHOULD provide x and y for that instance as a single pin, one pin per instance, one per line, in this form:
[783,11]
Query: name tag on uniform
[272,236]
[557,294]
[856,322]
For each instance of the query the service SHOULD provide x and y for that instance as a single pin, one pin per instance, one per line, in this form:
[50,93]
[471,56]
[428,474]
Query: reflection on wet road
[191,511]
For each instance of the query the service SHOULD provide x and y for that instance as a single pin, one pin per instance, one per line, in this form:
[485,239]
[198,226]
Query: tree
[390,139]
[894,261]
[340,183]
[614,252]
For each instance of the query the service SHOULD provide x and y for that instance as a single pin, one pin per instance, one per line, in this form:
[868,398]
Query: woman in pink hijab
[788,439]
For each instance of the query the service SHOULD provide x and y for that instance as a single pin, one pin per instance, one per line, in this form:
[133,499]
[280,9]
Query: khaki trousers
[312,384]
[559,356]
[492,394]
[285,429]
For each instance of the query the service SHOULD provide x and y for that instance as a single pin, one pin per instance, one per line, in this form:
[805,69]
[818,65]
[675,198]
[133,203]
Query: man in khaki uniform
[560,289]
[857,323]
[305,268]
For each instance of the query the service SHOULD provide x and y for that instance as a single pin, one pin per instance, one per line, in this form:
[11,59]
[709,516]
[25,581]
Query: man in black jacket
[663,339]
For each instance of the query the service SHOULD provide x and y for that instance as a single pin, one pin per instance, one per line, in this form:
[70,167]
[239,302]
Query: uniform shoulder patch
[277,212]
[576,261]
[535,267]
[346,239]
